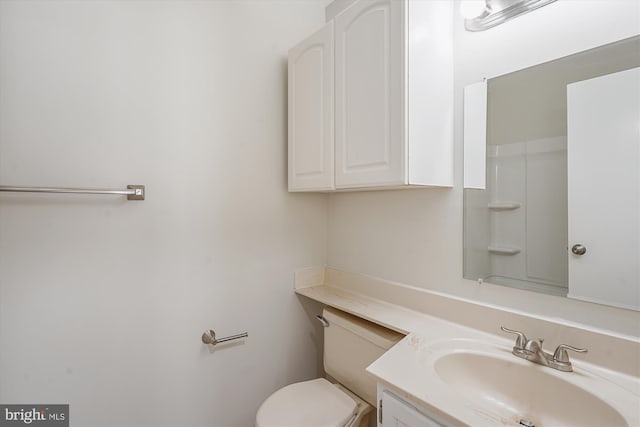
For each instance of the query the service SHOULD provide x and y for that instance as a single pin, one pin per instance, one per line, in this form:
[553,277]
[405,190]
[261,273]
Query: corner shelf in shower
[503,250]
[504,206]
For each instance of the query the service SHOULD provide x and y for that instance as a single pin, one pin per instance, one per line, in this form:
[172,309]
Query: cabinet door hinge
[380,412]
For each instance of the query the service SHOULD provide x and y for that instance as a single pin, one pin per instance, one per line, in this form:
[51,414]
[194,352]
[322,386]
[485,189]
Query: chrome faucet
[532,350]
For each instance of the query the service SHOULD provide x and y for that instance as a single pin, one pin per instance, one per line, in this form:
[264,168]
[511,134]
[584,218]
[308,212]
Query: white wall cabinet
[392,103]
[311,118]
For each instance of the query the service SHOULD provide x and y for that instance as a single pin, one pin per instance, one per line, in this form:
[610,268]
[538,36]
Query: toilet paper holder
[209,337]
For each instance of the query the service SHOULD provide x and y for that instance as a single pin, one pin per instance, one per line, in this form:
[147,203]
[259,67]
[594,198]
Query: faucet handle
[560,355]
[521,341]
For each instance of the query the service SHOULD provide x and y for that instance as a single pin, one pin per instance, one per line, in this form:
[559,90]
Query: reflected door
[604,189]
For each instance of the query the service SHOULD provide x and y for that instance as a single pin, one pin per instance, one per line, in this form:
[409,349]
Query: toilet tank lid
[379,335]
[314,403]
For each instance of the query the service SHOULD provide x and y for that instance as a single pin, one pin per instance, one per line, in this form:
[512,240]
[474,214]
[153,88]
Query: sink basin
[463,377]
[521,393]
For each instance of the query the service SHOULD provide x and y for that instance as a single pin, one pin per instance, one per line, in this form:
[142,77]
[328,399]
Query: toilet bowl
[350,345]
[315,403]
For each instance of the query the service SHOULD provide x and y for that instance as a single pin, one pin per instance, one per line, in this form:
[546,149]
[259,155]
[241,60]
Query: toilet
[350,345]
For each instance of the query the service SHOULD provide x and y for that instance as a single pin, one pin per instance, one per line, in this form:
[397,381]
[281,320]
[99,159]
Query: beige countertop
[409,366]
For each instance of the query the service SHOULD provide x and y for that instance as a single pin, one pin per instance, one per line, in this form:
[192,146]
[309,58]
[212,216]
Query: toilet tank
[350,345]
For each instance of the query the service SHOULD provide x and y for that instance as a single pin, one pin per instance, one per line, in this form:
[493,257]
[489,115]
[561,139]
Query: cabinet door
[370,140]
[397,413]
[311,114]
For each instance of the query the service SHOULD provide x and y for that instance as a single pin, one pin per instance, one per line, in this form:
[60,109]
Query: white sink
[527,392]
[485,380]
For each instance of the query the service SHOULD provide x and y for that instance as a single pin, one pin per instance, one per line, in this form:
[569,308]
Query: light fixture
[483,14]
[470,9]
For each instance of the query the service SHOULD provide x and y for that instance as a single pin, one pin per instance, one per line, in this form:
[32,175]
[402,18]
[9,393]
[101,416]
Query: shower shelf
[503,250]
[504,206]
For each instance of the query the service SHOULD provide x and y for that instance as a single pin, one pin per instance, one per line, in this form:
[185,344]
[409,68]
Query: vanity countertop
[409,367]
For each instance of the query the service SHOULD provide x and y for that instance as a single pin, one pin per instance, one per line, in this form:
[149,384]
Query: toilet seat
[314,403]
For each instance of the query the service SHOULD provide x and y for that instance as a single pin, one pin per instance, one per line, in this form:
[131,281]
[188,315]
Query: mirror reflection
[560,213]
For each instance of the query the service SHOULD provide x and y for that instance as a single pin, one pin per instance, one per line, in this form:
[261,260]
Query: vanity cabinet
[395,411]
[386,121]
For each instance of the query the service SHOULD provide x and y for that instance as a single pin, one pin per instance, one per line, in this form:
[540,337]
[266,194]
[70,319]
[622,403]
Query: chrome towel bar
[209,337]
[133,192]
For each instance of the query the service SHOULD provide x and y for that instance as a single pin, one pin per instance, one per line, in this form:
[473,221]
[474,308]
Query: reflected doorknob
[578,249]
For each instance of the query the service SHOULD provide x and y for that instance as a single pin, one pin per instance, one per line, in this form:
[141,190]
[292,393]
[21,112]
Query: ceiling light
[498,11]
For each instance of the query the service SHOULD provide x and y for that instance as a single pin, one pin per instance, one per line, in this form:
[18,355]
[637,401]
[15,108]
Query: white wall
[103,301]
[415,236]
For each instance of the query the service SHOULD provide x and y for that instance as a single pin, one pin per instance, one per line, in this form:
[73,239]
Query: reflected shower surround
[525,209]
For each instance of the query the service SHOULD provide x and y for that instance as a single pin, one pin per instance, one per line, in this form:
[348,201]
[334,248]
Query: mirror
[560,213]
